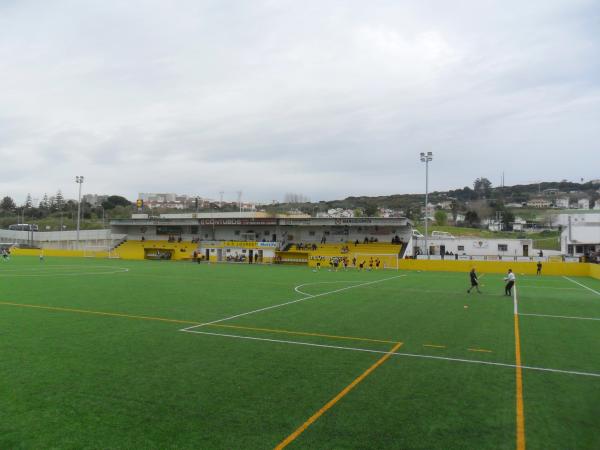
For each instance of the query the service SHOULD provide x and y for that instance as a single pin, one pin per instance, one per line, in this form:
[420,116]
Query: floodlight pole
[79,181]
[426,158]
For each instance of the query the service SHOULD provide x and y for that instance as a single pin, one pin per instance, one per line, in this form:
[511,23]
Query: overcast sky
[323,98]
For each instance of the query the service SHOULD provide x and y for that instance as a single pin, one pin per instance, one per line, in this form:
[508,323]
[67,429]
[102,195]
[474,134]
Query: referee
[510,282]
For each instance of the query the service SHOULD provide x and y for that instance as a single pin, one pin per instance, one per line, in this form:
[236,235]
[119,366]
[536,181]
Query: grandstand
[261,238]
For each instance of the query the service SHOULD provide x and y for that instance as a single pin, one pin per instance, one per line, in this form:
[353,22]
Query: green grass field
[92,356]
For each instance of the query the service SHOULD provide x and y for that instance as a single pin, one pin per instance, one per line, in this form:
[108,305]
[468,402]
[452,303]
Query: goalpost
[99,252]
[388,260]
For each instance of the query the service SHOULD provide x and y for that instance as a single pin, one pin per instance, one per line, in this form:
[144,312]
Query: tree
[7,204]
[28,202]
[115,200]
[371,210]
[59,200]
[483,187]
[44,204]
[441,218]
[472,218]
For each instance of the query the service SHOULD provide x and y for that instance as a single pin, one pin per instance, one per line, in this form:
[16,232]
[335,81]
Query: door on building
[207,254]
[219,254]
[250,256]
[525,250]
[274,238]
[442,250]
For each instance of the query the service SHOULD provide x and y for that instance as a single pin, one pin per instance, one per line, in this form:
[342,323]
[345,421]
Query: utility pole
[221,199]
[79,181]
[239,193]
[426,158]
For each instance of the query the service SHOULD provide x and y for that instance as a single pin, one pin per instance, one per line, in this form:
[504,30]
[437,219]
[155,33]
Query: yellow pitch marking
[519,392]
[482,350]
[303,333]
[188,322]
[98,313]
[312,419]
[434,346]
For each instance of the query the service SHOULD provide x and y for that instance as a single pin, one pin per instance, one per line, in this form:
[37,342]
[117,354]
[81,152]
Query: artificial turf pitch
[92,356]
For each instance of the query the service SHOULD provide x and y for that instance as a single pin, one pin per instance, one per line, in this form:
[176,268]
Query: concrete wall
[66,240]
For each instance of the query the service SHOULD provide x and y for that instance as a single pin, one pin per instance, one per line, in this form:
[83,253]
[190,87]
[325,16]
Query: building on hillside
[446,204]
[175,201]
[94,199]
[597,205]
[337,213]
[562,202]
[386,212]
[514,205]
[539,203]
[551,192]
[583,203]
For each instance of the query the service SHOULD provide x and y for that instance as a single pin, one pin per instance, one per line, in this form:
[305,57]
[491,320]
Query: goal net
[386,260]
[99,252]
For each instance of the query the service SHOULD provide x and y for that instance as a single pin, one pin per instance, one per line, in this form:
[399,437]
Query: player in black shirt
[474,281]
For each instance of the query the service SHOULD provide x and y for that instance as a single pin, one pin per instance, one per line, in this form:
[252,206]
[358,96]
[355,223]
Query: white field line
[582,285]
[533,286]
[516,303]
[309,297]
[297,288]
[409,355]
[560,317]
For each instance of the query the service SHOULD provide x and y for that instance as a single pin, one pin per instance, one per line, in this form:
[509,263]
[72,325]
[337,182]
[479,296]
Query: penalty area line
[582,285]
[291,302]
[560,317]
[409,355]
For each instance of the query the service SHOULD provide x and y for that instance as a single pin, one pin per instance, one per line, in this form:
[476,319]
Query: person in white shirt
[510,282]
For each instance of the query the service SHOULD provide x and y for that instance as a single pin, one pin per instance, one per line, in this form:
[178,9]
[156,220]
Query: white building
[94,199]
[475,248]
[539,203]
[583,203]
[581,237]
[562,202]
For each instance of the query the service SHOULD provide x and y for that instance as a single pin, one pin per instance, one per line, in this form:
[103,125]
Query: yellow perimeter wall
[52,252]
[549,268]
[529,268]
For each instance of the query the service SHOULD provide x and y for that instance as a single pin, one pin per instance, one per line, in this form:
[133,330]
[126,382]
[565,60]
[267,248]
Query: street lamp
[426,158]
[79,181]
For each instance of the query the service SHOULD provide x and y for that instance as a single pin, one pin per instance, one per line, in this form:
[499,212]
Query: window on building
[236,232]
[579,249]
[194,229]
[311,233]
[461,248]
[502,247]
[267,232]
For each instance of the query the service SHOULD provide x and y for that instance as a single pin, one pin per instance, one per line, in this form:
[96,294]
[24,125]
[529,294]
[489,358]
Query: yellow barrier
[54,252]
[529,268]
[595,271]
